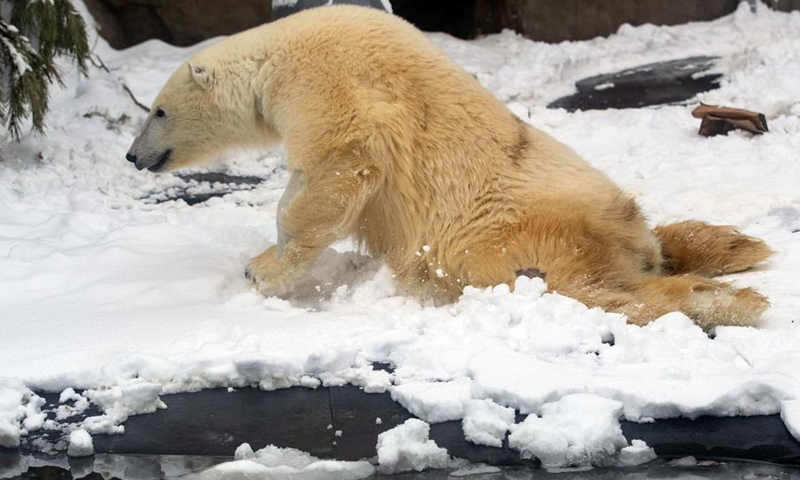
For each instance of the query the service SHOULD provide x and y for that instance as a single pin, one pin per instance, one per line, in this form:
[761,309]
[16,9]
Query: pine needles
[35,32]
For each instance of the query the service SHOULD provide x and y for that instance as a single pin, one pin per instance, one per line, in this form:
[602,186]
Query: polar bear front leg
[319,207]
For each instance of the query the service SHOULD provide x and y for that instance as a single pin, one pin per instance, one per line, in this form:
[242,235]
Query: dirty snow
[104,289]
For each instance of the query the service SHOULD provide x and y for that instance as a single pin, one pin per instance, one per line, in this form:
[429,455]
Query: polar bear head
[201,111]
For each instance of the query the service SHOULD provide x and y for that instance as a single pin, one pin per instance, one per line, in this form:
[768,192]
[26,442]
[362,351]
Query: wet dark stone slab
[214,422]
[652,84]
[355,414]
[200,187]
[340,423]
[763,438]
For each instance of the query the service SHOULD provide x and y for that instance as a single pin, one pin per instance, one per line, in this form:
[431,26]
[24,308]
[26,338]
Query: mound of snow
[637,453]
[18,405]
[80,444]
[276,463]
[406,447]
[486,423]
[790,413]
[579,430]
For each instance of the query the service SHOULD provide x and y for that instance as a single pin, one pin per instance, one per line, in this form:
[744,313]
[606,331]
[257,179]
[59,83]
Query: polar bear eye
[160,112]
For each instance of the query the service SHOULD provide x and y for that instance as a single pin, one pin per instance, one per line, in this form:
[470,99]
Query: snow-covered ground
[128,299]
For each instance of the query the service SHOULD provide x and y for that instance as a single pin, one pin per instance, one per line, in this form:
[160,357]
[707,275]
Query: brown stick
[137,102]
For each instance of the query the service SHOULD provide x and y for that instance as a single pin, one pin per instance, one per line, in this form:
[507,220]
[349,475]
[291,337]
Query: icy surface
[407,447]
[474,470]
[284,463]
[103,289]
[578,431]
[80,444]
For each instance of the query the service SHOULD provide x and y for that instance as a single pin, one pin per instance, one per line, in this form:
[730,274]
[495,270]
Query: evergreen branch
[56,28]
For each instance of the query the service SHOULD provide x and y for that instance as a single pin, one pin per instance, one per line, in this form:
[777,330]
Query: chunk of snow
[474,470]
[80,444]
[285,463]
[18,404]
[243,452]
[119,402]
[434,402]
[637,453]
[406,447]
[579,430]
[790,413]
[689,461]
[68,395]
[604,86]
[486,423]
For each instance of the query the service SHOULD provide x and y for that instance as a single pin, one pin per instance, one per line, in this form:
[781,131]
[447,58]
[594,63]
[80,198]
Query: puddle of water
[105,466]
[133,467]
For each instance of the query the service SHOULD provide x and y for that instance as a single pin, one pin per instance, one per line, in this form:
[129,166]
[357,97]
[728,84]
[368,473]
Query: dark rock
[285,10]
[199,187]
[585,19]
[651,84]
[180,22]
[214,422]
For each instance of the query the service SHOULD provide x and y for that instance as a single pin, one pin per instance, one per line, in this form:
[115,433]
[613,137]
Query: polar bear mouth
[162,160]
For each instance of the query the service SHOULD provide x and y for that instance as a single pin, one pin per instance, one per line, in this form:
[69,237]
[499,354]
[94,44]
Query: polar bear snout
[153,161]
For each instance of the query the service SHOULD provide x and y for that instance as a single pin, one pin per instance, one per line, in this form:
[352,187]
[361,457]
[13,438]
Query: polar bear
[392,143]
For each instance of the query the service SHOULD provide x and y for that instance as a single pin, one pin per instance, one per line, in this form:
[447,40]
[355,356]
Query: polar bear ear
[203,76]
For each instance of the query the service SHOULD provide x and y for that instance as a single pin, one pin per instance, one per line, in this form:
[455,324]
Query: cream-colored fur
[389,141]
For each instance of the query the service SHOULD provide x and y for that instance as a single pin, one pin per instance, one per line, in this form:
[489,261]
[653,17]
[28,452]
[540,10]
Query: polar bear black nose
[131,157]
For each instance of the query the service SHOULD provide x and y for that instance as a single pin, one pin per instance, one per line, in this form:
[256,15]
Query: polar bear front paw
[267,274]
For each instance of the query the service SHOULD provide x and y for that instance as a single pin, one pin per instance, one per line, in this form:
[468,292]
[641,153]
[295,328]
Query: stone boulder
[179,22]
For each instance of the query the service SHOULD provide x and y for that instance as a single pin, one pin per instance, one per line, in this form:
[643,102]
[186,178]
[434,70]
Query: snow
[637,453]
[17,59]
[80,444]
[18,404]
[119,402]
[406,447]
[577,431]
[790,413]
[272,462]
[434,402]
[474,470]
[107,292]
[486,423]
[283,3]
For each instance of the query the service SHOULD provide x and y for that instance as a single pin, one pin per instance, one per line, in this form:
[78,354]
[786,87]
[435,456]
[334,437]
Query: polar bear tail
[708,250]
